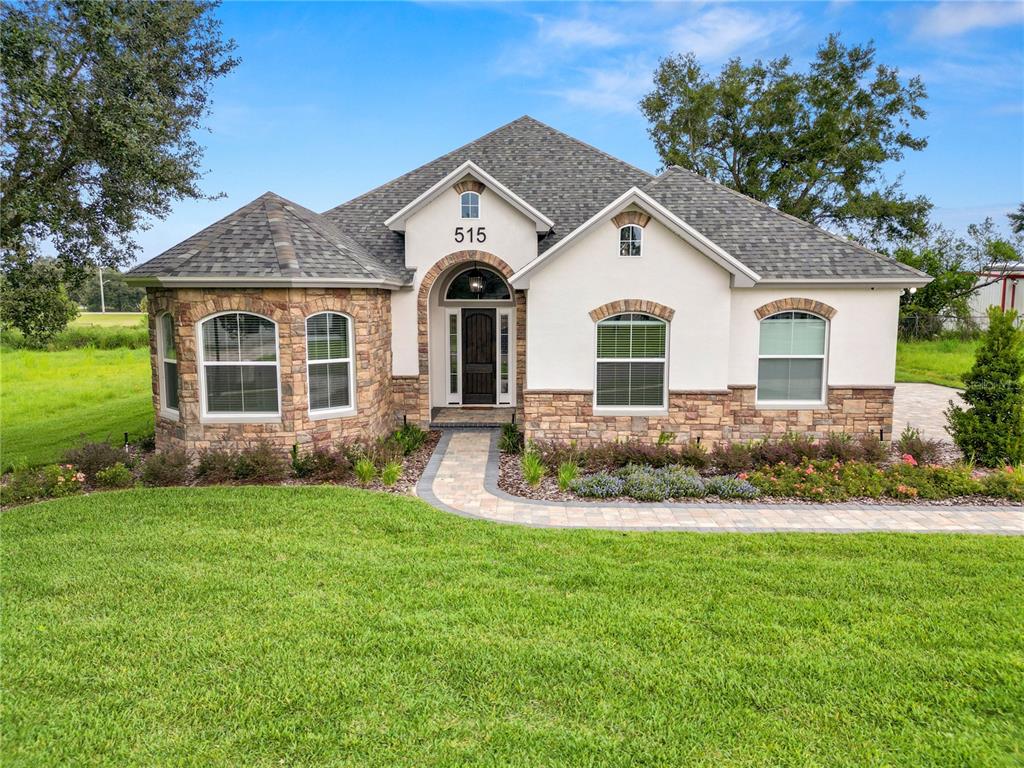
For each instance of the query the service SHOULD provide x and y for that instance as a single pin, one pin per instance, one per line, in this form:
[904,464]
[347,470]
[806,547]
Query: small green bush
[683,482]
[92,457]
[49,482]
[321,465]
[390,473]
[409,438]
[733,457]
[600,485]
[567,472]
[924,451]
[1005,483]
[511,439]
[730,487]
[695,455]
[166,468]
[365,470]
[215,467]
[116,476]
[260,464]
[533,467]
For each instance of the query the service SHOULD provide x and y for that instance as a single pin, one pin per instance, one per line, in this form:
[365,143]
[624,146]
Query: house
[999,285]
[529,273]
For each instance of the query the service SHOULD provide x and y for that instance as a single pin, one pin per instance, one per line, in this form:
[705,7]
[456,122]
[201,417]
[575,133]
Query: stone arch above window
[797,304]
[632,305]
[639,218]
[468,185]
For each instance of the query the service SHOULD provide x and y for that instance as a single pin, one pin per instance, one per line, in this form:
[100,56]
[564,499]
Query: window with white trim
[631,362]
[470,202]
[168,363]
[791,358]
[630,240]
[239,362]
[329,367]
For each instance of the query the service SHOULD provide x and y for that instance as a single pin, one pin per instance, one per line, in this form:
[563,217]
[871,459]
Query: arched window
[631,355]
[329,368]
[791,358]
[238,356]
[168,356]
[630,240]
[470,205]
[478,283]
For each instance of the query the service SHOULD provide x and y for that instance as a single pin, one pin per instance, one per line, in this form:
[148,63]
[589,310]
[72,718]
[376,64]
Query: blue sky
[332,99]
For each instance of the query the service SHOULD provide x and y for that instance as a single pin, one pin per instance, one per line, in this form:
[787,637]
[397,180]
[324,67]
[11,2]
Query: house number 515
[471,234]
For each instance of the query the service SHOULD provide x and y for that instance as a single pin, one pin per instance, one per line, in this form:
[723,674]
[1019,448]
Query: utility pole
[103,303]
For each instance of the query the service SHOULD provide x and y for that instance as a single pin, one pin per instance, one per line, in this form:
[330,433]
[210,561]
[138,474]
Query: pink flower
[1009,469]
[742,475]
[809,471]
[80,477]
[909,460]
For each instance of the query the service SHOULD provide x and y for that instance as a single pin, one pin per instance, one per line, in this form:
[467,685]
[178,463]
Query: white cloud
[952,19]
[578,33]
[723,31]
[611,90]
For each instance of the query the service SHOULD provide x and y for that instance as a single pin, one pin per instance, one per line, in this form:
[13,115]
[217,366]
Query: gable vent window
[631,362]
[630,240]
[470,205]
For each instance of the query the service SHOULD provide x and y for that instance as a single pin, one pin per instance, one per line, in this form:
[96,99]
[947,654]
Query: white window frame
[505,398]
[236,418]
[618,243]
[453,397]
[161,345]
[633,410]
[793,405]
[462,205]
[350,409]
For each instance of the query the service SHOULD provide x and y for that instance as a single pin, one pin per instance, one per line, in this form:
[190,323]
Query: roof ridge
[585,144]
[789,216]
[281,237]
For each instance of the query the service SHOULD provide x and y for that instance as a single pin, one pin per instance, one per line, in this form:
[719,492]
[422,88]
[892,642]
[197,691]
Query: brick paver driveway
[463,473]
[922,406]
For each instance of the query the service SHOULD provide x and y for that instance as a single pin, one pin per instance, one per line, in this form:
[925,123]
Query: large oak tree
[813,144]
[102,100]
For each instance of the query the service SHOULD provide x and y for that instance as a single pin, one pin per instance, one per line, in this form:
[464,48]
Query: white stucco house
[530,274]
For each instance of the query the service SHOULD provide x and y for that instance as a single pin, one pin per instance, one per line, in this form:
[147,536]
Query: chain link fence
[921,327]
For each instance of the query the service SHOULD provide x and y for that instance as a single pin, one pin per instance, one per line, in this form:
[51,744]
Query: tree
[33,299]
[101,101]
[991,429]
[1017,220]
[811,144]
[118,296]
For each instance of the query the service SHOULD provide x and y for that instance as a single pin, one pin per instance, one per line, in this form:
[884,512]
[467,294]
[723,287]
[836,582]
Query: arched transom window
[238,356]
[330,371]
[791,358]
[470,205]
[630,240]
[631,356]
[478,284]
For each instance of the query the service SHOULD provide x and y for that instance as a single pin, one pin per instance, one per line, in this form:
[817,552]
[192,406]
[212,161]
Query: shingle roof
[271,237]
[775,245]
[562,177]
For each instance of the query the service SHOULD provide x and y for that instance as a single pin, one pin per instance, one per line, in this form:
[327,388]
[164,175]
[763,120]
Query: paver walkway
[462,478]
[923,407]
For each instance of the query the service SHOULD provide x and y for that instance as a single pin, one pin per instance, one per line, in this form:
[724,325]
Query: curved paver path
[923,406]
[462,478]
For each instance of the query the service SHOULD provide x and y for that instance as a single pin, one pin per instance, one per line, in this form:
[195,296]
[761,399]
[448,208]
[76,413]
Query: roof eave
[236,281]
[909,281]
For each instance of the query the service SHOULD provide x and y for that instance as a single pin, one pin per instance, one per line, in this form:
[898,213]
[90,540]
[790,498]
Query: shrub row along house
[525,271]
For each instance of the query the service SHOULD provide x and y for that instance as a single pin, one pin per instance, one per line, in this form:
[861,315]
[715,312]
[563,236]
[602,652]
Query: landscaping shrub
[409,437]
[600,485]
[260,464]
[377,452]
[990,430]
[730,487]
[116,476]
[623,453]
[144,443]
[91,457]
[790,448]
[909,481]
[924,451]
[733,457]
[216,466]
[533,467]
[166,468]
[365,470]
[511,439]
[1005,483]
[871,449]
[390,473]
[682,482]
[554,454]
[567,472]
[695,455]
[644,484]
[321,465]
[839,446]
[49,482]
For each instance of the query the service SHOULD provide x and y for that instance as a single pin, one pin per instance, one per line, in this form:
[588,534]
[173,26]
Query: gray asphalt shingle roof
[565,179]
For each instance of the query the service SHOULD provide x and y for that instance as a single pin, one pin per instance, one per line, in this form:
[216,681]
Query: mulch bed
[510,480]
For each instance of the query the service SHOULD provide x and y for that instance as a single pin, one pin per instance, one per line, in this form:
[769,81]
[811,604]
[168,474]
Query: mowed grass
[943,361]
[312,626]
[49,399]
[109,319]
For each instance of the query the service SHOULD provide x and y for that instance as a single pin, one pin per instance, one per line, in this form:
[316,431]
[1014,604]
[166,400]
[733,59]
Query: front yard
[319,626]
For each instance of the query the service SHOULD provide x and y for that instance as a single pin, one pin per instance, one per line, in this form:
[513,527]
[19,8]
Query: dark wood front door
[479,358]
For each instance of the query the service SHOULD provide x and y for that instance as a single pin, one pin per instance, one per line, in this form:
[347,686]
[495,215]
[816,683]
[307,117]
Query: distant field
[943,361]
[109,319]
[48,399]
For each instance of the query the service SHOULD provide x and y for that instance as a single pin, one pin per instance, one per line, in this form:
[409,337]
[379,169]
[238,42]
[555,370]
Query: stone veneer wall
[370,310]
[713,416]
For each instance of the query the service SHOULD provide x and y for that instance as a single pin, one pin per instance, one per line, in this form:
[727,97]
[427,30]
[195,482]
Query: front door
[479,369]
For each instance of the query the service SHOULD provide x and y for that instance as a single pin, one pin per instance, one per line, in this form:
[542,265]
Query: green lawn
[310,626]
[109,319]
[943,361]
[48,399]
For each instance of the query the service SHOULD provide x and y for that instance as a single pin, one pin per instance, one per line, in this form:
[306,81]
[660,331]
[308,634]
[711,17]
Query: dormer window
[630,240]
[470,205]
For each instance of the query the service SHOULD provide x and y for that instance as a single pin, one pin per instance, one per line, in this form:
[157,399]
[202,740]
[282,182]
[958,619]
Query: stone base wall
[370,310]
[411,399]
[713,416]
